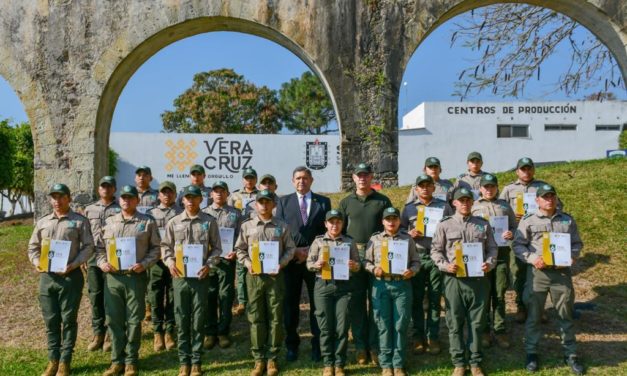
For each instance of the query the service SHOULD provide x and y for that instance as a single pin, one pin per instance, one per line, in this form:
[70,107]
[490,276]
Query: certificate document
[121,253]
[469,258]
[556,249]
[227,236]
[192,260]
[499,224]
[338,261]
[397,256]
[265,257]
[54,255]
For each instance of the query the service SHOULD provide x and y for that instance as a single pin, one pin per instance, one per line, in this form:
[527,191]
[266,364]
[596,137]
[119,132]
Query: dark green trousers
[519,277]
[125,296]
[392,302]
[221,295]
[465,303]
[559,284]
[60,298]
[428,281]
[161,298]
[332,313]
[361,315]
[190,307]
[95,289]
[265,314]
[242,292]
[499,282]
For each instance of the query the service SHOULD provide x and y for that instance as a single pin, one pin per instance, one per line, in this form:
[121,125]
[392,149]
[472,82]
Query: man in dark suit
[304,212]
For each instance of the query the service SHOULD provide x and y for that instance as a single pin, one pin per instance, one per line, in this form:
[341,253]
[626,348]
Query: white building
[505,131]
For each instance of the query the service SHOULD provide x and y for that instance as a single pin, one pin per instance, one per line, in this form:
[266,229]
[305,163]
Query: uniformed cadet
[489,206]
[191,227]
[543,279]
[428,277]
[197,177]
[160,290]
[125,290]
[472,178]
[391,293]
[465,296]
[443,187]
[265,291]
[268,182]
[332,296]
[222,285]
[97,213]
[239,199]
[363,211]
[60,293]
[526,183]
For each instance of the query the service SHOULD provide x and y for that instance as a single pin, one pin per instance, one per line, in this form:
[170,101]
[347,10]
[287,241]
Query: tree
[305,105]
[17,181]
[514,40]
[222,101]
[113,162]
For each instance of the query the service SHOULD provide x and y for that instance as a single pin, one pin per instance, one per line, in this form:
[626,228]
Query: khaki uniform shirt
[97,213]
[162,215]
[140,226]
[73,227]
[149,197]
[200,229]
[206,197]
[256,229]
[410,213]
[528,238]
[321,240]
[457,228]
[236,199]
[227,217]
[509,192]
[485,209]
[470,182]
[373,251]
[442,187]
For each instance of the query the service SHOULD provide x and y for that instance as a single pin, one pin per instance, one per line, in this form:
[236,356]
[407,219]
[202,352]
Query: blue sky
[430,75]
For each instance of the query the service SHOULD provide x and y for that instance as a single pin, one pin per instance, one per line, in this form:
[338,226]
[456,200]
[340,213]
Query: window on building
[560,127]
[608,127]
[512,130]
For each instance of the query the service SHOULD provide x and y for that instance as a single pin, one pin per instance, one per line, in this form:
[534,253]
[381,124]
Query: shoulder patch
[527,216]
[446,218]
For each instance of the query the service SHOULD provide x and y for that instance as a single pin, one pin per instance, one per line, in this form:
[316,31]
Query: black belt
[389,278]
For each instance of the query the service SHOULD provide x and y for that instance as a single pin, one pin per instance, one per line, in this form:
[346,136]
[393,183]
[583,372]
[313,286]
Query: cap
[461,193]
[59,188]
[107,180]
[432,161]
[220,184]
[129,190]
[474,155]
[265,194]
[192,190]
[391,212]
[249,172]
[167,184]
[544,189]
[267,176]
[422,178]
[144,168]
[362,167]
[333,213]
[197,168]
[522,162]
[488,179]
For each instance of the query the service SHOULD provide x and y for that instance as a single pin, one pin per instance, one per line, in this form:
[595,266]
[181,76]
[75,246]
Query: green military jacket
[373,251]
[185,229]
[363,215]
[322,240]
[256,229]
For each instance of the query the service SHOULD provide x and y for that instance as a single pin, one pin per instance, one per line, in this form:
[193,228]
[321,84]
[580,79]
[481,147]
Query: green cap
[143,168]
[167,184]
[432,161]
[522,162]
[220,184]
[248,172]
[391,212]
[192,190]
[474,155]
[265,194]
[267,176]
[129,190]
[488,179]
[333,213]
[544,189]
[461,193]
[59,188]
[423,178]
[362,167]
[197,168]
[108,180]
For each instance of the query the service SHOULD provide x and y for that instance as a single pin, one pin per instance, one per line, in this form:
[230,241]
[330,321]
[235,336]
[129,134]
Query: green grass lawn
[594,192]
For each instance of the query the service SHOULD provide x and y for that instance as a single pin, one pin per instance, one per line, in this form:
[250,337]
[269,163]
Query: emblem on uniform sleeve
[278,231]
[205,226]
[316,155]
[141,227]
[232,218]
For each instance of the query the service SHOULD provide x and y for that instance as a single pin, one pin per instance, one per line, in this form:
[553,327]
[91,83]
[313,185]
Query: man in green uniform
[532,244]
[222,284]
[268,182]
[472,178]
[130,232]
[192,229]
[332,295]
[391,292]
[97,213]
[428,277]
[443,187]
[160,291]
[363,211]
[197,177]
[266,290]
[240,200]
[465,296]
[488,206]
[60,292]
